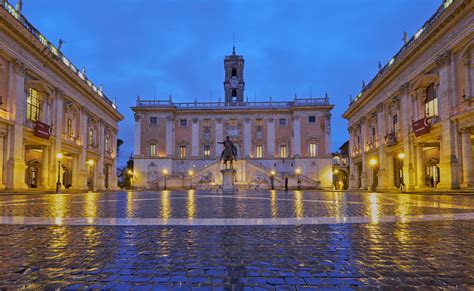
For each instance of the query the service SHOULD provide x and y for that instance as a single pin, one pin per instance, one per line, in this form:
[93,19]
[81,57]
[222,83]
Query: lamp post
[165,173]
[191,173]
[401,156]
[336,181]
[272,179]
[298,173]
[90,163]
[373,163]
[59,156]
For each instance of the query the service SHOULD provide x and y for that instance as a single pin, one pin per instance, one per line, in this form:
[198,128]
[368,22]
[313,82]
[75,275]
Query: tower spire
[233,43]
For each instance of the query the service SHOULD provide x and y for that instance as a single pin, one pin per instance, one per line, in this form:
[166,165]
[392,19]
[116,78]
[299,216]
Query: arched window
[431,102]
[234,72]
[234,95]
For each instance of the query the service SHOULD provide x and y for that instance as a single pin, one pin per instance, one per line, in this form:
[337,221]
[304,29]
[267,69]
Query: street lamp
[91,164]
[401,156]
[336,179]
[165,173]
[298,173]
[191,173]
[272,179]
[59,156]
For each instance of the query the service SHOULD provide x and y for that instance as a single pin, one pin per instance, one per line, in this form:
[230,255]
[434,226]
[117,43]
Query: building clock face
[234,83]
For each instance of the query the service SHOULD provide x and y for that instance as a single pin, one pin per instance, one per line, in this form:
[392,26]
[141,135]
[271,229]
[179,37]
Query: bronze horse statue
[229,153]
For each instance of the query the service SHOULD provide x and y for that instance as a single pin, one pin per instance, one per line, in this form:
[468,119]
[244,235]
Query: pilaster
[270,138]
[247,137]
[195,138]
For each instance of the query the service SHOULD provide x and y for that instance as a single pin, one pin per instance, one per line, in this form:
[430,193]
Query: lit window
[312,119]
[344,161]
[182,152]
[312,150]
[33,105]
[259,122]
[233,122]
[207,151]
[282,121]
[207,122]
[69,127]
[152,150]
[283,151]
[153,120]
[259,151]
[431,102]
[183,122]
[335,161]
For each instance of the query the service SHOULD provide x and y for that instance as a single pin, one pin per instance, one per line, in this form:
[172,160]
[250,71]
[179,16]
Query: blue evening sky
[177,47]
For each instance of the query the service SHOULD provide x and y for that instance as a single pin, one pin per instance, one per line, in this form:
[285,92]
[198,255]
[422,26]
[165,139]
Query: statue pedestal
[228,178]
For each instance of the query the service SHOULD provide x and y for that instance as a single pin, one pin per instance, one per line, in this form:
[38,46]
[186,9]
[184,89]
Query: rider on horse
[230,151]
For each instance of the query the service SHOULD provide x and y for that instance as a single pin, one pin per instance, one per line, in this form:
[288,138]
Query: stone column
[297,137]
[352,170]
[16,159]
[45,168]
[420,167]
[404,119]
[382,174]
[2,164]
[195,138]
[467,170]
[271,138]
[138,134]
[469,73]
[449,174]
[169,137]
[247,137]
[365,170]
[327,136]
[100,163]
[219,137]
[81,167]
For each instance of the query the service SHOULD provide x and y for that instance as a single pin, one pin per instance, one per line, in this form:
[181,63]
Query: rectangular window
[69,127]
[152,150]
[344,161]
[207,151]
[372,134]
[259,151]
[259,122]
[183,122]
[107,144]
[33,105]
[431,108]
[207,122]
[233,122]
[182,152]
[91,136]
[153,120]
[282,121]
[283,151]
[312,119]
[395,122]
[312,150]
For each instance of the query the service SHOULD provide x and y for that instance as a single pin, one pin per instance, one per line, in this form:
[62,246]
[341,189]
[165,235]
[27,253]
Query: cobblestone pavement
[435,252]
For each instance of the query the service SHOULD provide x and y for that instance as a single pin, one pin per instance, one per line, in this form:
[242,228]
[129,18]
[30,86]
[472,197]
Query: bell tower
[234,78]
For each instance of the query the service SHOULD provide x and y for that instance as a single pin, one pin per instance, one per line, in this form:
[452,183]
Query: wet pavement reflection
[375,253]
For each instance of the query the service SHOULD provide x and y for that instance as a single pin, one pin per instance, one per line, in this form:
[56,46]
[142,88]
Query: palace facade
[413,124]
[57,129]
[176,144]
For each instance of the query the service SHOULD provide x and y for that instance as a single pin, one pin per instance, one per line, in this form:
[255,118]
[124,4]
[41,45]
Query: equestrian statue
[229,153]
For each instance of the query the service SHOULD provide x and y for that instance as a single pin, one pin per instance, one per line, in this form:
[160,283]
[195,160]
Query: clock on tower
[234,78]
